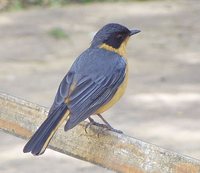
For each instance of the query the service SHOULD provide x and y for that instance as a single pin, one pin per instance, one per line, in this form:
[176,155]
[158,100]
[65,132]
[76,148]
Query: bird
[95,82]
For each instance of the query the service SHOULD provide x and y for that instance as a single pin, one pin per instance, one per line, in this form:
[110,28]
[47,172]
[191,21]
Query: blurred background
[40,39]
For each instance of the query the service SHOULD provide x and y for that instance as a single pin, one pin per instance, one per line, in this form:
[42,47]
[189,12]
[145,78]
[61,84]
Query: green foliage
[58,33]
[15,5]
[20,4]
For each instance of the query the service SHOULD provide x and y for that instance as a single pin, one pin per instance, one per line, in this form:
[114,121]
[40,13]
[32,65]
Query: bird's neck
[121,50]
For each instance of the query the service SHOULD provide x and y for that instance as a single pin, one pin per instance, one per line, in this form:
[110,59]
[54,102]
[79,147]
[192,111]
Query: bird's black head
[113,35]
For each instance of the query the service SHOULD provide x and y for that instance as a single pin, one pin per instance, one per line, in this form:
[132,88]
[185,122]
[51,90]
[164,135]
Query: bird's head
[113,37]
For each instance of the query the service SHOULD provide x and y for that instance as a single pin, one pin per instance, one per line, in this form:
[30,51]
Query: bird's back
[96,62]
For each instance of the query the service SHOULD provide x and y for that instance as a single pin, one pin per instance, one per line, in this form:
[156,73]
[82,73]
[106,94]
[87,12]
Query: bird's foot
[114,130]
[92,122]
[104,126]
[109,127]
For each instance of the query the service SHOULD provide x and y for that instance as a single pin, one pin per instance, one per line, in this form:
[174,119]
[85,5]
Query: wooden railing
[111,150]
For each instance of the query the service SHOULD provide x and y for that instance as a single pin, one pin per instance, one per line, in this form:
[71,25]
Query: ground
[162,102]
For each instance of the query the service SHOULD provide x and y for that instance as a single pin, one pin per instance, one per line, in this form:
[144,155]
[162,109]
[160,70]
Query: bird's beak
[134,31]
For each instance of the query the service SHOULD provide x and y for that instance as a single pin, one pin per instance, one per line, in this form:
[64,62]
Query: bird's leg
[92,122]
[108,126]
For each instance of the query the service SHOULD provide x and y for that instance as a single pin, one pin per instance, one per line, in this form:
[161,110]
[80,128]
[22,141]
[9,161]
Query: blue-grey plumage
[97,75]
[44,133]
[96,80]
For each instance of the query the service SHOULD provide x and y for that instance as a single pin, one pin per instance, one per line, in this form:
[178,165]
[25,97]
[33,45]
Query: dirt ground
[162,102]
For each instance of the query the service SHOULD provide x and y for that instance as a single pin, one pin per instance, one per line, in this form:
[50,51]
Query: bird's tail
[41,138]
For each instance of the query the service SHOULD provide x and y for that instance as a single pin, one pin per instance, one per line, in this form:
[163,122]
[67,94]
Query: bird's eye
[119,36]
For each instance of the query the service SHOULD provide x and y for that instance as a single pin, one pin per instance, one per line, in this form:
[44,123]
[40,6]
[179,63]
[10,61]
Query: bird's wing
[90,94]
[62,92]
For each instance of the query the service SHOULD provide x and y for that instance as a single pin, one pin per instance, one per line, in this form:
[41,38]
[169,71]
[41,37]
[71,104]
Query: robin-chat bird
[95,82]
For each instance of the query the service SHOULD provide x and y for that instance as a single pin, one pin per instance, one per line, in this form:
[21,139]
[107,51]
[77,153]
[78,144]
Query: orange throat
[121,50]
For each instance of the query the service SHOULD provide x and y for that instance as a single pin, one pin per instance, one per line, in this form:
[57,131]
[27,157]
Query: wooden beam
[114,151]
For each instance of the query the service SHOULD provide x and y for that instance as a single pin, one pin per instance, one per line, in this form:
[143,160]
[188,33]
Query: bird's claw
[115,130]
[94,123]
[104,126]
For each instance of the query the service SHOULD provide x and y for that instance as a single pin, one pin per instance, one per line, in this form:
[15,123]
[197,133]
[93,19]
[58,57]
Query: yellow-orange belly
[117,95]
